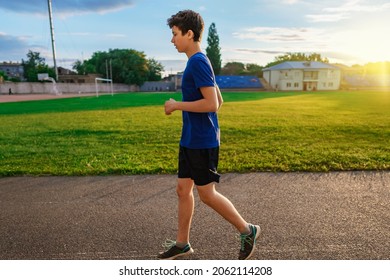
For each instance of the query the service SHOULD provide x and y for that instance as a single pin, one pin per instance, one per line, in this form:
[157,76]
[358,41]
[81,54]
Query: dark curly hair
[188,20]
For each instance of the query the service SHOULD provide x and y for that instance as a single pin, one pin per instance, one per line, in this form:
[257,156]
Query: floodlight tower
[52,39]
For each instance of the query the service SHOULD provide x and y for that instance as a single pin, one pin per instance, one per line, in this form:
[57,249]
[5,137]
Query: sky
[250,31]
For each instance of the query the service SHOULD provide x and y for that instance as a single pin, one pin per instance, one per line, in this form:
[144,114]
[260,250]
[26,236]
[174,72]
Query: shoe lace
[245,239]
[168,244]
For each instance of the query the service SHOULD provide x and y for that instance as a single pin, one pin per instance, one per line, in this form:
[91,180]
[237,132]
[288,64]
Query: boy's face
[181,41]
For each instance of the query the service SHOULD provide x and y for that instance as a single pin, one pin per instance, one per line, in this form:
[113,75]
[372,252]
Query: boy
[199,144]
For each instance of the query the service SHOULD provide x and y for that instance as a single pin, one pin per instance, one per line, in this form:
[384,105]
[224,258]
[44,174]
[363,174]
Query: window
[288,85]
[312,75]
[296,85]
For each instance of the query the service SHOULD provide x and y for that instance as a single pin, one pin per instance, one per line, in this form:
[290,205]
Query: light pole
[52,39]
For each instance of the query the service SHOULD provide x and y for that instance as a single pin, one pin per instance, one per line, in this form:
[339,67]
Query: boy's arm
[211,102]
[219,96]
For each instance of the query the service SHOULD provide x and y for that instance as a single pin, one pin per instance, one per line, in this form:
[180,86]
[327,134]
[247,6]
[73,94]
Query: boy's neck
[195,48]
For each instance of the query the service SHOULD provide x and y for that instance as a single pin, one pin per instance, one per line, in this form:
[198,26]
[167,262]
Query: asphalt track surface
[304,216]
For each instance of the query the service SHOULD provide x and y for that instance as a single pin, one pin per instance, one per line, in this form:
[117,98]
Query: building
[64,71]
[303,76]
[13,70]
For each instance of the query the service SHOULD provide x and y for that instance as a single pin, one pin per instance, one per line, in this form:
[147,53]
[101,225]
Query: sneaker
[172,251]
[248,242]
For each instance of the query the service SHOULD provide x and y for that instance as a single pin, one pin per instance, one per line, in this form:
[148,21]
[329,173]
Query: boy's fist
[169,106]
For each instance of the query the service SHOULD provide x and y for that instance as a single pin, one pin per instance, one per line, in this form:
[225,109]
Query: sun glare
[367,44]
[374,44]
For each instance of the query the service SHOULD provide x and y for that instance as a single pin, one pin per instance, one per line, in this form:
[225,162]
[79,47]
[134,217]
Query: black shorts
[199,165]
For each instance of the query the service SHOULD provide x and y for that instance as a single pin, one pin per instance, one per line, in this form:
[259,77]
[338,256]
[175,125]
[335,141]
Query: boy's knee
[181,192]
[184,188]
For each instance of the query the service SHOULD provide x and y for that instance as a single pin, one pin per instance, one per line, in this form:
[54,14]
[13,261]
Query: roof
[304,65]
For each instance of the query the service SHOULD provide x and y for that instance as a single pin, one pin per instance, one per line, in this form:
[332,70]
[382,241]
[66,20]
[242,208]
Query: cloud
[11,47]
[278,34]
[65,7]
[341,56]
[358,6]
[257,51]
[94,34]
[346,10]
[327,17]
[10,43]
[290,2]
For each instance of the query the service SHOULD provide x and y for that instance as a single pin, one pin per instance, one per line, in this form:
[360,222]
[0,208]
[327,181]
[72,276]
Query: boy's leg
[185,209]
[181,246]
[222,206]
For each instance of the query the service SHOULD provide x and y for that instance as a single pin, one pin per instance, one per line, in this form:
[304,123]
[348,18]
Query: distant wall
[158,86]
[50,88]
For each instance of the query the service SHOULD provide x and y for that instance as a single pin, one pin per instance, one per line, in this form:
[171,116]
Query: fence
[50,88]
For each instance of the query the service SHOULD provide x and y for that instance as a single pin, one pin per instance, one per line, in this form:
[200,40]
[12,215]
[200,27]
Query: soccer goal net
[103,87]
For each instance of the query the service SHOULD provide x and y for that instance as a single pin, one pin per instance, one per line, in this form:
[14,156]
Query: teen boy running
[199,144]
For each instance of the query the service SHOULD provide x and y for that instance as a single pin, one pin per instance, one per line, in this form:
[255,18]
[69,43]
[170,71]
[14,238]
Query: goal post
[103,80]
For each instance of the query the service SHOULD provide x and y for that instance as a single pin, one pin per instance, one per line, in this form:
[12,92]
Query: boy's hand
[170,106]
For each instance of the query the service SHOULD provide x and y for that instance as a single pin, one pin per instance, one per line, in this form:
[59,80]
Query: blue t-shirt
[200,130]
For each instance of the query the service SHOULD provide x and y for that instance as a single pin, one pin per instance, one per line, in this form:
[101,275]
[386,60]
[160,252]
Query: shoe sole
[189,252]
[258,233]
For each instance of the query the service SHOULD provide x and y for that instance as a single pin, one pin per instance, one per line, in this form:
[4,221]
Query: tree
[254,69]
[239,68]
[34,65]
[213,50]
[128,66]
[234,68]
[297,57]
[377,68]
[3,77]
[155,69]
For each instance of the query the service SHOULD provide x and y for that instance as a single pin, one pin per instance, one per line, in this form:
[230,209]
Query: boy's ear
[190,34]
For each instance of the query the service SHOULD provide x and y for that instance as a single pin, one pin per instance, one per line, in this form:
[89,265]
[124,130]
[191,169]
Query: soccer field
[130,134]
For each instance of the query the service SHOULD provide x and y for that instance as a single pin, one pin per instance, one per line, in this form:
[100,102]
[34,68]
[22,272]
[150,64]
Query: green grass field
[130,134]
